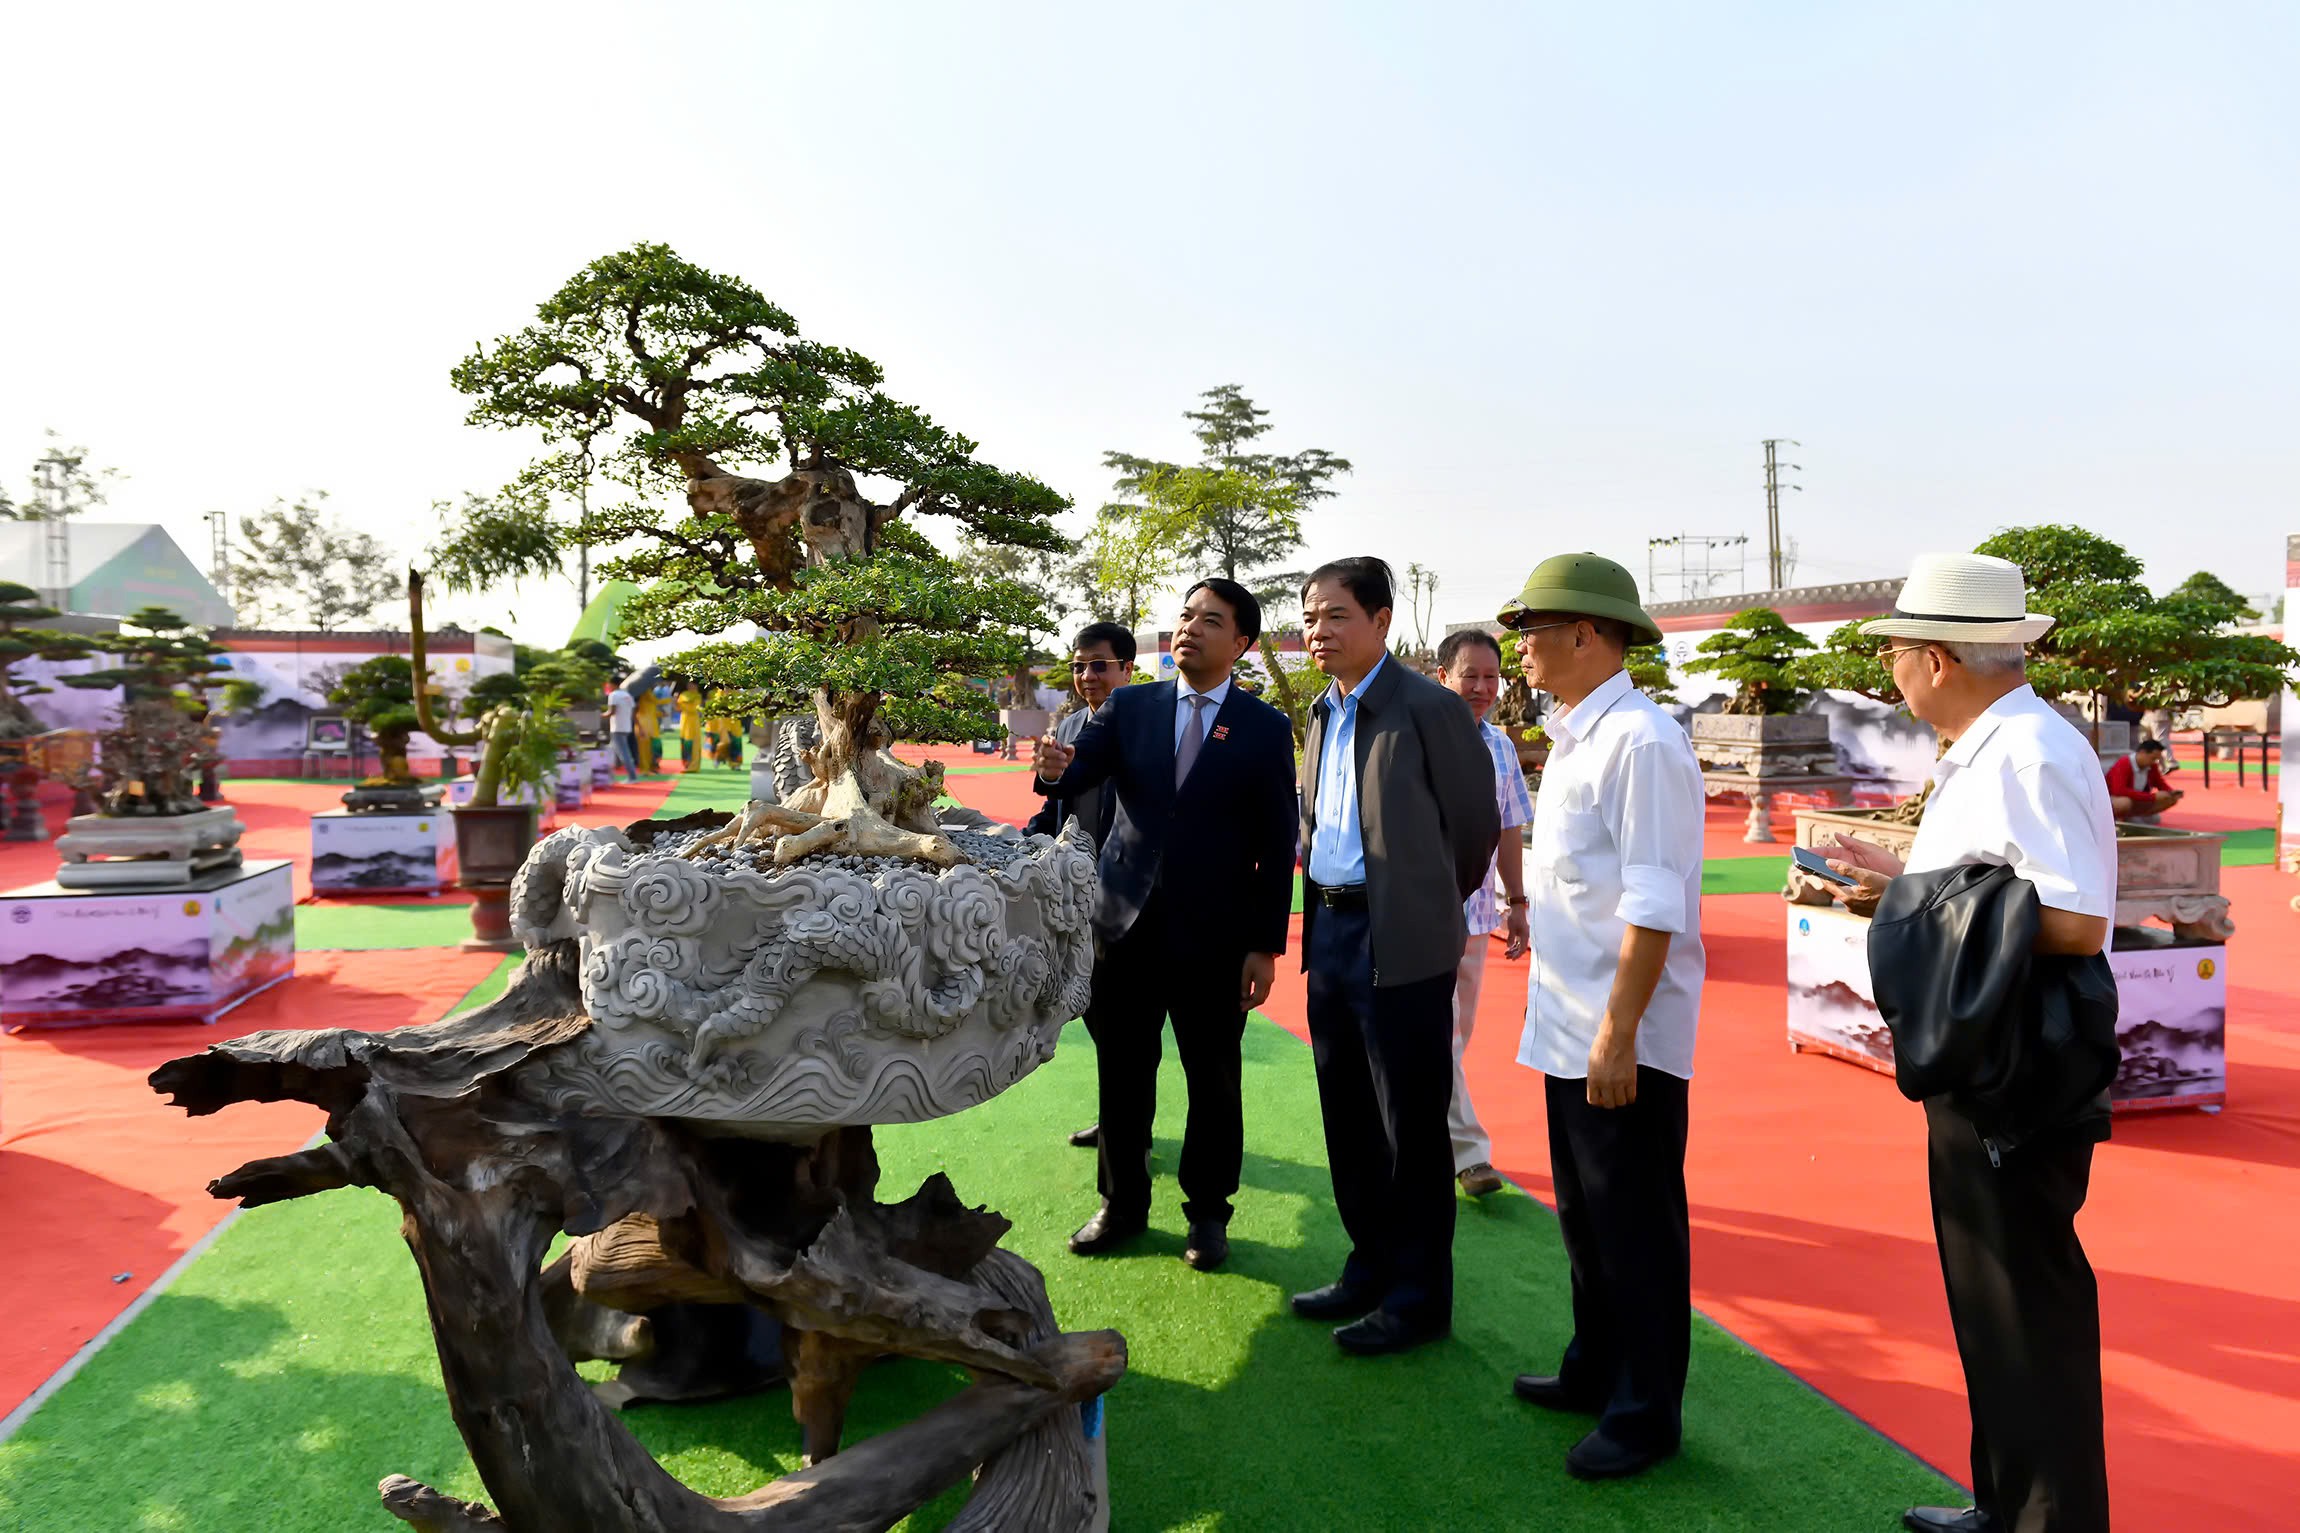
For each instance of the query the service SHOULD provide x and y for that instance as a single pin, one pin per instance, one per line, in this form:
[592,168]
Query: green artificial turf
[368,924]
[2249,848]
[290,1369]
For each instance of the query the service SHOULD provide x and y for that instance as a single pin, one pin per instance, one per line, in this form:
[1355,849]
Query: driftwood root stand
[674,1227]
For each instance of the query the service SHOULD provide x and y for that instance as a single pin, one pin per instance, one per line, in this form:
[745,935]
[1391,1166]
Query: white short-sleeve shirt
[1616,842]
[2023,788]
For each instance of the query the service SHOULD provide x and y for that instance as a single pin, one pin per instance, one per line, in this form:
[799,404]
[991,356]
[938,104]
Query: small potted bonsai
[520,726]
[379,696]
[1762,730]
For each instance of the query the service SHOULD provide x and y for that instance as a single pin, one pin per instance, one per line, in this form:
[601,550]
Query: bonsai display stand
[574,787]
[2172,1008]
[368,852]
[160,851]
[1761,789]
[75,958]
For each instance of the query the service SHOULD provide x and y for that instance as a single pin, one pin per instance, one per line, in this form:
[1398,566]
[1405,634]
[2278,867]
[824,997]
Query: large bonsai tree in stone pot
[1761,731]
[715,1012]
[151,826]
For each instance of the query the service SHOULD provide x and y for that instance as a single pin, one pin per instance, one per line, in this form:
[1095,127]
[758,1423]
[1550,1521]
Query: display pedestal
[602,759]
[2171,1024]
[574,784]
[460,791]
[191,952]
[370,853]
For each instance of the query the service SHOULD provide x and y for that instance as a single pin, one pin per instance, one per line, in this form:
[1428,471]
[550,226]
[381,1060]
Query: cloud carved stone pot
[783,1004]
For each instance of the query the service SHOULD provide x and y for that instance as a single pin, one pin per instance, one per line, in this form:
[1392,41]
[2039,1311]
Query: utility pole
[219,554]
[1776,573]
[56,535]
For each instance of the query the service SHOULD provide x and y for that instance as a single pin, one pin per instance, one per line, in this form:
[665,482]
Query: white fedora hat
[1963,599]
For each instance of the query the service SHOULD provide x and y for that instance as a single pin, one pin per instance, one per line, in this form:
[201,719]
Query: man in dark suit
[1399,823]
[1101,660]
[1197,883]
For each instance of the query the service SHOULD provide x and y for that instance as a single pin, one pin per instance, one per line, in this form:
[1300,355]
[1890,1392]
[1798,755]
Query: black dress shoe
[1382,1332]
[1106,1231]
[1548,1391]
[1335,1301]
[1599,1457]
[1208,1246]
[1947,1519]
[1087,1138]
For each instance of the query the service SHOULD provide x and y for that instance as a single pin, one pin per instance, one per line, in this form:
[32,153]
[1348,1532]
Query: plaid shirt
[1482,908]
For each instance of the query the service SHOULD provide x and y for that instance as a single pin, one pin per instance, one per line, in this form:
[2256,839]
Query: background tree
[152,758]
[1130,558]
[295,564]
[1849,661]
[1421,597]
[2116,643]
[1757,652]
[2208,588]
[1236,513]
[62,486]
[1648,667]
[656,375]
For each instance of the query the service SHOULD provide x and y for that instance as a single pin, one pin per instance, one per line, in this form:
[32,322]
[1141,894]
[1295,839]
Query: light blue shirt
[1337,844]
[1183,692]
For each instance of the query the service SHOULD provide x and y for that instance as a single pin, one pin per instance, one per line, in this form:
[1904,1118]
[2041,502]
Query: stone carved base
[778,1004]
[156,851]
[757,1020]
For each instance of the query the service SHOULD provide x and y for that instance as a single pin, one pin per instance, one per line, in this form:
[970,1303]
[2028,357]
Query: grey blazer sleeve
[1461,778]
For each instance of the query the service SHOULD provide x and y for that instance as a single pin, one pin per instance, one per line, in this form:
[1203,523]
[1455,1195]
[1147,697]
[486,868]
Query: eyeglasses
[1889,656]
[1539,627]
[1095,667]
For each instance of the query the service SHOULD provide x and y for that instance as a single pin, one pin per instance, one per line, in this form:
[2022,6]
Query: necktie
[1193,736]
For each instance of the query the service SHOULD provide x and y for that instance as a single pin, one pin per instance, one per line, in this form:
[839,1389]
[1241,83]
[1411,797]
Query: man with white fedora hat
[2018,787]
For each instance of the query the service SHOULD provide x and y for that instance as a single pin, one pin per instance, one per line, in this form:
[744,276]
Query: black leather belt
[1339,896]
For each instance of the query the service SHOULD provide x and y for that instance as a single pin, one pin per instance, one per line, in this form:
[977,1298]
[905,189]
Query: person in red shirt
[2137,785]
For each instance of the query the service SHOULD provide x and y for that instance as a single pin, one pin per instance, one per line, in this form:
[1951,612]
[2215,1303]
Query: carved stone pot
[1764,745]
[782,1003]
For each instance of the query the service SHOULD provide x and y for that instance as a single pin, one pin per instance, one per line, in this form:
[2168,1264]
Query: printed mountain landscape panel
[251,935]
[381,853]
[2172,1011]
[80,957]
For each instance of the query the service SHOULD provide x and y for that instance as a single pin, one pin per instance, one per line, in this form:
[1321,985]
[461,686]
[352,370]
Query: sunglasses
[1095,667]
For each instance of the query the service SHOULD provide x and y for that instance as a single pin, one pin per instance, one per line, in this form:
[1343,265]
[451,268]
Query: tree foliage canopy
[1758,651]
[297,566]
[2115,641]
[654,374]
[62,486]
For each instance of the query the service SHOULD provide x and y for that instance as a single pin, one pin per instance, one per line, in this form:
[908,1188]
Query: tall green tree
[62,486]
[297,566]
[659,378]
[22,639]
[2116,643]
[2208,588]
[1237,512]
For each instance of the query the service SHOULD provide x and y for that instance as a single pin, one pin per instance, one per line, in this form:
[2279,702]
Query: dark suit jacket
[1221,846]
[1426,814]
[1091,807]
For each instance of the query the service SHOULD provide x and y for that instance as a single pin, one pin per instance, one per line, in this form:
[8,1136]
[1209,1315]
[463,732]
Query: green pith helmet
[1586,586]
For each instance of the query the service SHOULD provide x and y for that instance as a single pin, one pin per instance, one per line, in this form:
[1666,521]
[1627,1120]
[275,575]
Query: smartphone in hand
[1817,865]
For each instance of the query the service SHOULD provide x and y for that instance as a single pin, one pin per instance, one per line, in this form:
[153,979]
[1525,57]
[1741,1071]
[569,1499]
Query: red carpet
[106,1185]
[1813,1242]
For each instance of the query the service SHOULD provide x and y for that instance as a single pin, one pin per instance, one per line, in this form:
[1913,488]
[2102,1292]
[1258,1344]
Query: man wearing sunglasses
[1101,661]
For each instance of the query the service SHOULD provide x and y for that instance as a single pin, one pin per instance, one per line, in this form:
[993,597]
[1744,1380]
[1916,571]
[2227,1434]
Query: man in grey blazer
[1399,824]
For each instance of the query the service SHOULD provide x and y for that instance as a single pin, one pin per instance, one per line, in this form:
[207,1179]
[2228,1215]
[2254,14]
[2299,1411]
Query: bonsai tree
[1648,667]
[152,760]
[1757,652]
[379,696]
[650,372]
[20,605]
[1849,661]
[2116,643]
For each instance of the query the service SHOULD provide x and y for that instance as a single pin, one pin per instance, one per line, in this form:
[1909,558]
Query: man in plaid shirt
[1469,663]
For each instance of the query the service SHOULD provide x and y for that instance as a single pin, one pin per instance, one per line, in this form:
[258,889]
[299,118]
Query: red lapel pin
[1221,731]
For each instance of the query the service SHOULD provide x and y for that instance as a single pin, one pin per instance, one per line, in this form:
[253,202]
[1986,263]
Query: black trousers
[2027,1317]
[1141,981]
[1385,1081]
[1619,1175]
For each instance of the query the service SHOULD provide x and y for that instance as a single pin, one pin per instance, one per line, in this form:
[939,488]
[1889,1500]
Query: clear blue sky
[1546,273]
